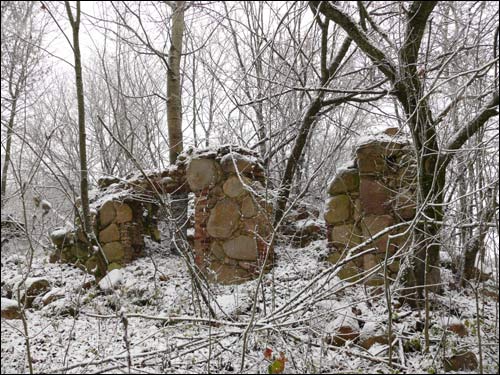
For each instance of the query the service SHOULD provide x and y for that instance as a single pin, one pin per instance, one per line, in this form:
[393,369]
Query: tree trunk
[431,182]
[6,162]
[174,105]
[475,245]
[293,160]
[82,137]
[432,159]
[23,54]
[308,120]
[179,201]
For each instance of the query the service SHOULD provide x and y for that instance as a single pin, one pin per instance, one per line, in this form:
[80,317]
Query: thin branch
[468,130]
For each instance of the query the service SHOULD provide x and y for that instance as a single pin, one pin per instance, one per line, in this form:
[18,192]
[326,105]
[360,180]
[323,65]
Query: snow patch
[239,157]
[59,232]
[8,304]
[381,138]
[230,303]
[111,280]
[305,223]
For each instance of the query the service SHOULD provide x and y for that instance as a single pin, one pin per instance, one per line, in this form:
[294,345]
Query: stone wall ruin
[375,191]
[123,211]
[120,218]
[232,216]
[231,219]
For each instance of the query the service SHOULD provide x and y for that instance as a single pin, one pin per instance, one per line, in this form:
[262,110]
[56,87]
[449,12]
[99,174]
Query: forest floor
[83,331]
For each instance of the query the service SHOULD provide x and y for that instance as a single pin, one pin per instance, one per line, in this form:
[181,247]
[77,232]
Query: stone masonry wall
[120,224]
[232,223]
[375,192]
[123,211]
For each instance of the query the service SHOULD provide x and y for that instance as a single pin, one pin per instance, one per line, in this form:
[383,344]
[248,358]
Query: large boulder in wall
[346,180]
[248,207]
[241,248]
[109,234]
[224,219]
[345,236]
[123,212]
[227,274]
[405,206]
[372,225]
[114,251]
[374,153]
[202,173]
[237,163]
[107,213]
[375,197]
[233,186]
[338,209]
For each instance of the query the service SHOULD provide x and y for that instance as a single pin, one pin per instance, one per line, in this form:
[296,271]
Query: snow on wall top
[340,170]
[217,152]
[382,138]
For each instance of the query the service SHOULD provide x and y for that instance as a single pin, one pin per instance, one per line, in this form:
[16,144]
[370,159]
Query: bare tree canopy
[250,186]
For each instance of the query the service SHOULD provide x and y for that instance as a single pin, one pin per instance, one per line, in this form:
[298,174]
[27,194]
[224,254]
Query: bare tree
[410,91]
[20,60]
[174,117]
[329,69]
[82,138]
[174,105]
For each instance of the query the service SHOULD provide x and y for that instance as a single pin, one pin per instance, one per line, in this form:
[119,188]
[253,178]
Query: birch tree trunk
[174,119]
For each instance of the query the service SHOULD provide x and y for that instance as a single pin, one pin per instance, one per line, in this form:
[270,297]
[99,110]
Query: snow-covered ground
[84,331]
